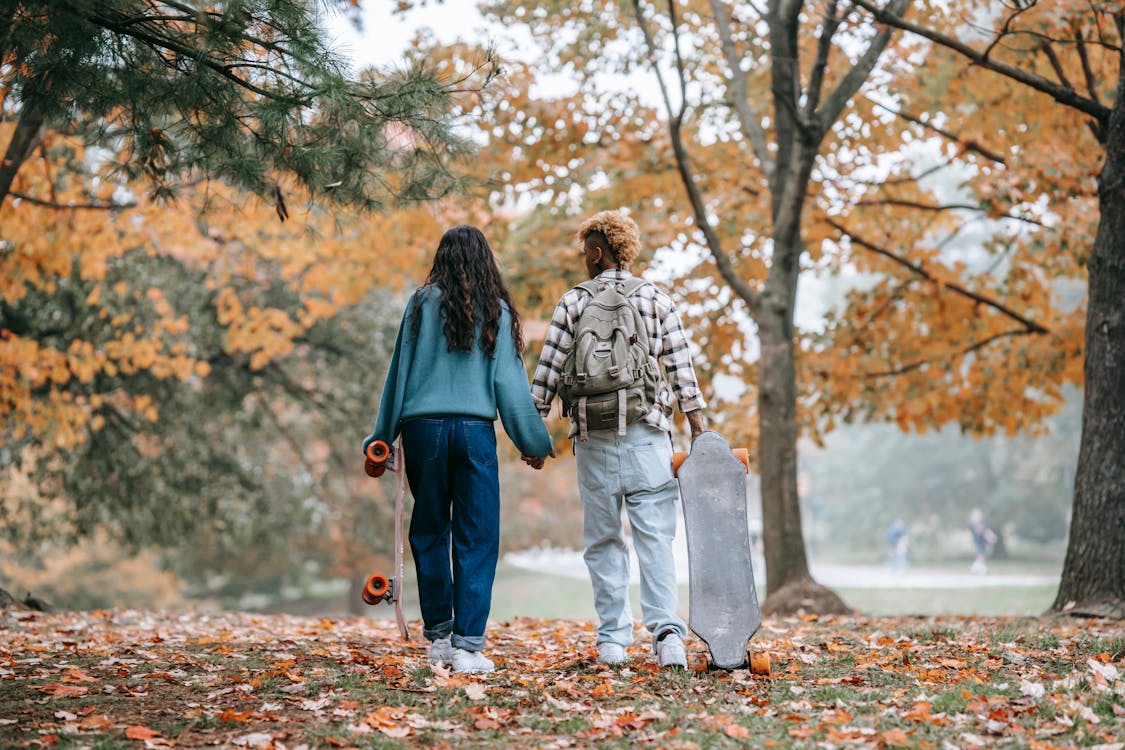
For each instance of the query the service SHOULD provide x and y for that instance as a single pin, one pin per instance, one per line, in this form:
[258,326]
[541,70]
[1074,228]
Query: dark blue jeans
[451,467]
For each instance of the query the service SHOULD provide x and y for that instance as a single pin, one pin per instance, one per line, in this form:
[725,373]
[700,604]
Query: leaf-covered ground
[130,679]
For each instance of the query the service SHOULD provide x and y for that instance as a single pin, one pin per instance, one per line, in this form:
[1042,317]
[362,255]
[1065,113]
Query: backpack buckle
[614,371]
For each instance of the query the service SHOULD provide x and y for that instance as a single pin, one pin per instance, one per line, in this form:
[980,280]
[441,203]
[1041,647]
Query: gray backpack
[609,378]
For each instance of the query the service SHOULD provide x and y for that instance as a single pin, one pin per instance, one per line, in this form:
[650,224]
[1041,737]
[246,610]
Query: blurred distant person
[983,539]
[898,545]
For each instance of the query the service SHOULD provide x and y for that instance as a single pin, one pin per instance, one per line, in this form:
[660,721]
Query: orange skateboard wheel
[760,664]
[378,451]
[376,588]
[679,457]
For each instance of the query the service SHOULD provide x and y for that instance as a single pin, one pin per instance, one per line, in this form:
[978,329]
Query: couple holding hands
[456,364]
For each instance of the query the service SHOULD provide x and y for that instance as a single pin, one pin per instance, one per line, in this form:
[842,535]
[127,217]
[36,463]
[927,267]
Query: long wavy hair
[472,291]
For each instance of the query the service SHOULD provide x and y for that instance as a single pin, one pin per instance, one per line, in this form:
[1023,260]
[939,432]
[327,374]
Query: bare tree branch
[859,72]
[967,145]
[1030,325]
[1049,51]
[960,353]
[1061,94]
[747,118]
[687,175]
[820,64]
[1087,70]
[943,207]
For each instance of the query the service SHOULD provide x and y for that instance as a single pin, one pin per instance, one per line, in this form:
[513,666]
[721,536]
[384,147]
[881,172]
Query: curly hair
[472,292]
[621,234]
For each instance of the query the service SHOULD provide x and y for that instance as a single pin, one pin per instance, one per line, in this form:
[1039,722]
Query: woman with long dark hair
[456,364]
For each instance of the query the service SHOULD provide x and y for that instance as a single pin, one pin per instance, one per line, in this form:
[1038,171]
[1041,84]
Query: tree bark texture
[777,448]
[1093,576]
[29,130]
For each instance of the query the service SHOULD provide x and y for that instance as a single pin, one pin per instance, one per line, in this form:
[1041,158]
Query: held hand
[534,461]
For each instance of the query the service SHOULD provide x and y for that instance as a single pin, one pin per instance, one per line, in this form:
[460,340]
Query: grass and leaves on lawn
[132,679]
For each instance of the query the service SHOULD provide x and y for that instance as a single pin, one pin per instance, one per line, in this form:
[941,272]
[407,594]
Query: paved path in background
[569,564]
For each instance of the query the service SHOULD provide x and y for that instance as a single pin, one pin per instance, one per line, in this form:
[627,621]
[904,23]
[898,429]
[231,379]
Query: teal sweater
[425,379]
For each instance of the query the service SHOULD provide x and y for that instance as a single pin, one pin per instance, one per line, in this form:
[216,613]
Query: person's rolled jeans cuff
[468,642]
[442,630]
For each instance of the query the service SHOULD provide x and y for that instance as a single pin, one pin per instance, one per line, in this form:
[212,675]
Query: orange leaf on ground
[920,711]
[63,691]
[141,733]
[603,690]
[896,738]
[97,721]
[737,731]
[232,716]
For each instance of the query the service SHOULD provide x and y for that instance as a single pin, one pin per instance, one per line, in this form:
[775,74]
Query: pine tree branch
[110,24]
[1030,325]
[63,206]
[1061,94]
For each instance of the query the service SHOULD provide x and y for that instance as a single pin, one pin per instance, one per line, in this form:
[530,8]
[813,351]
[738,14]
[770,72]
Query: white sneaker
[612,653]
[670,652]
[471,661]
[441,651]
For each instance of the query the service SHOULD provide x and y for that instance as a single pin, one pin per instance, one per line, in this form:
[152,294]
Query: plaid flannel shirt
[667,341]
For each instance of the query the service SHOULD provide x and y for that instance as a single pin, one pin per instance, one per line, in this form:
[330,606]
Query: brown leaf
[895,738]
[737,731]
[95,721]
[63,691]
[137,732]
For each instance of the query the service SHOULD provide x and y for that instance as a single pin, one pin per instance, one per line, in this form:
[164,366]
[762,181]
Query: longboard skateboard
[723,608]
[381,588]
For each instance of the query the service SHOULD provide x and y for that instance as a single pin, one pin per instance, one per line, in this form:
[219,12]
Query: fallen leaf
[140,733]
[737,731]
[895,738]
[95,721]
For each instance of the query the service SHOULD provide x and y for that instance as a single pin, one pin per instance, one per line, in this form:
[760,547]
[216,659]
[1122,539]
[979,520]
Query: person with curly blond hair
[631,465]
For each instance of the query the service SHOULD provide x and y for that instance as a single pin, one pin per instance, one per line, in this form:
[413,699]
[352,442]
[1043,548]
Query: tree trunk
[1093,576]
[777,448]
[789,586]
[27,134]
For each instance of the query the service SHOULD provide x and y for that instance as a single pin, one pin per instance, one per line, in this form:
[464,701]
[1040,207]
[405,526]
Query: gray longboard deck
[723,607]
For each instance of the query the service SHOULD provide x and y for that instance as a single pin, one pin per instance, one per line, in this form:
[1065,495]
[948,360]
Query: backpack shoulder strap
[634,284]
[590,287]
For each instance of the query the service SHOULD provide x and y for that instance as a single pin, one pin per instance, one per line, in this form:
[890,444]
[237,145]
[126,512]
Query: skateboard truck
[379,587]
